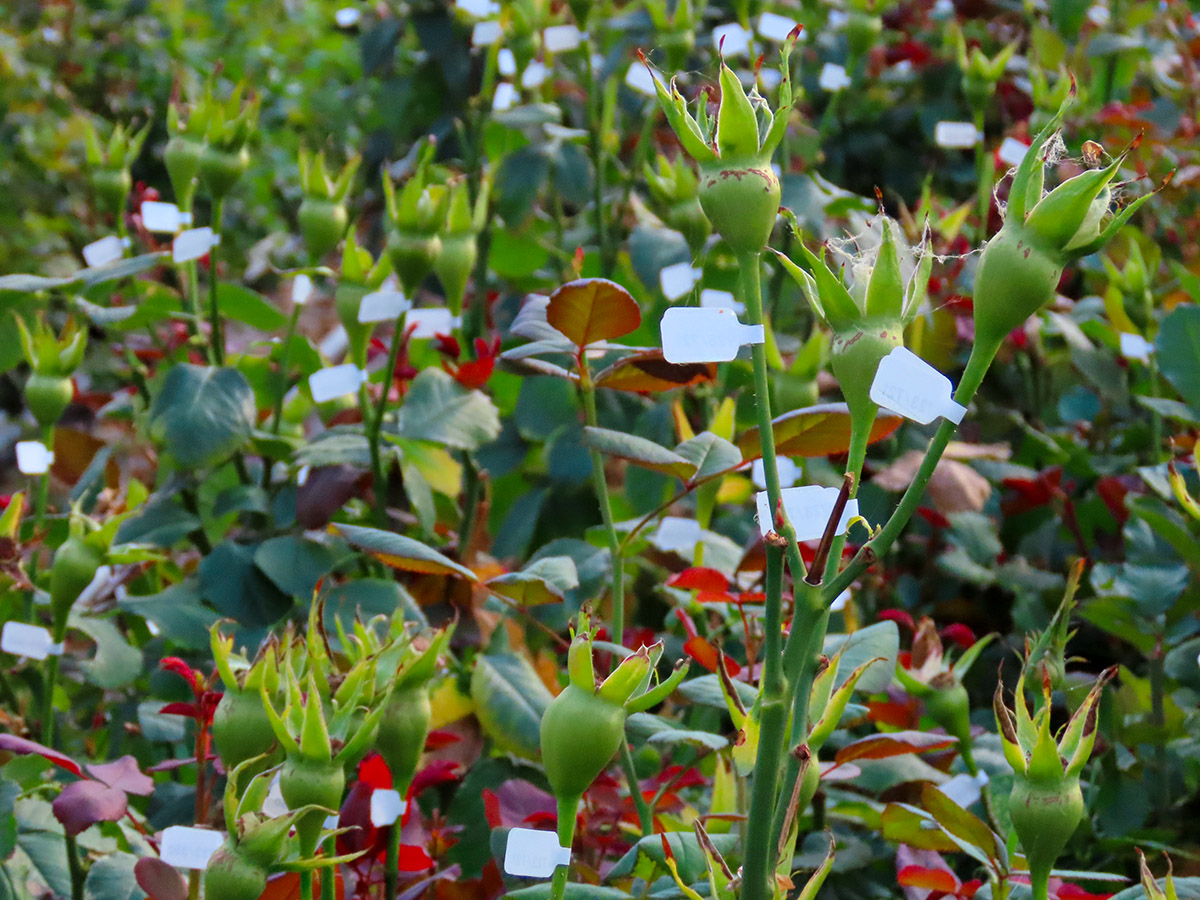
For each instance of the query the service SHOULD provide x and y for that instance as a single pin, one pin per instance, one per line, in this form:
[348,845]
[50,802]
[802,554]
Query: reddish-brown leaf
[699,578]
[159,880]
[84,803]
[932,879]
[124,775]
[815,431]
[647,372]
[593,309]
[14,744]
[881,746]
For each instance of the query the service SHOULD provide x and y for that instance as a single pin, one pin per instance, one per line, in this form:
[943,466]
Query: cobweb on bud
[1054,151]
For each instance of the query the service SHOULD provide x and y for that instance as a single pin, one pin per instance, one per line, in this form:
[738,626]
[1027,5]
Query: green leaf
[367,598]
[574,891]
[342,445]
[231,582]
[545,581]
[683,736]
[9,791]
[239,302]
[958,822]
[121,268]
[710,454]
[879,640]
[646,859]
[160,522]
[178,612]
[111,878]
[402,552]
[1178,350]
[201,415]
[815,431]
[593,309]
[638,451]
[440,410]
[294,564]
[706,690]
[509,701]
[1185,888]
[115,663]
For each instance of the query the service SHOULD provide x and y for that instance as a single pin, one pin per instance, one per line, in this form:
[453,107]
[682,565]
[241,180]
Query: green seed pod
[241,729]
[580,735]
[112,188]
[1044,817]
[322,224]
[311,782]
[47,397]
[412,257]
[109,163]
[74,567]
[950,707]
[402,733]
[182,159]
[229,876]
[741,202]
[221,169]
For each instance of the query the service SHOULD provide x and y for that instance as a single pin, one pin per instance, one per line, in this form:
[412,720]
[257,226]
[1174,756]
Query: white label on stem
[336,381]
[347,17]
[275,805]
[956,135]
[561,38]
[163,218]
[480,9]
[382,306]
[506,96]
[432,322]
[534,854]
[911,387]
[840,601]
[302,288]
[692,334]
[386,807]
[506,63]
[775,27]
[534,75]
[710,297]
[788,472]
[1134,346]
[193,244]
[484,34]
[1012,151]
[106,250]
[330,823]
[731,40]
[34,458]
[32,641]
[677,280]
[833,77]
[676,534]
[641,80]
[965,790]
[187,847]
[808,510]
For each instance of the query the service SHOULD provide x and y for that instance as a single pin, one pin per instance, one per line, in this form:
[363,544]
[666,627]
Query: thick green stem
[391,871]
[307,891]
[78,876]
[285,360]
[376,425]
[194,884]
[600,484]
[43,488]
[1159,720]
[595,111]
[1039,882]
[329,875]
[217,336]
[49,681]
[645,816]
[567,809]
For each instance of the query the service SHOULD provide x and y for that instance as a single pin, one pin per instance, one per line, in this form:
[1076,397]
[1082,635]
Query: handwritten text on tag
[906,384]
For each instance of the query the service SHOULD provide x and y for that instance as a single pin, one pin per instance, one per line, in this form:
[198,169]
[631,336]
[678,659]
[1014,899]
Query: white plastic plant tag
[382,306]
[1098,15]
[34,458]
[965,790]
[534,75]
[336,381]
[693,334]
[484,34]
[911,387]
[302,288]
[163,218]
[334,343]
[678,279]
[770,78]
[188,847]
[506,63]
[386,807]
[956,135]
[330,823]
[833,77]
[775,27]
[534,854]
[1012,151]
[840,601]
[561,38]
[1134,346]
[505,97]
[106,250]
[432,322]
[788,472]
[275,805]
[480,9]
[32,641]
[710,297]
[193,244]
[347,17]
[641,80]
[731,40]
[676,534]
[808,510]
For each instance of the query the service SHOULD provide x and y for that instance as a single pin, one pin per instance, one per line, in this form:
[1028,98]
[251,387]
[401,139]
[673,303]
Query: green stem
[49,681]
[284,361]
[600,484]
[329,874]
[645,816]
[217,336]
[1039,882]
[307,891]
[1159,721]
[567,808]
[78,876]
[391,871]
[595,112]
[43,488]
[194,884]
[985,171]
[376,425]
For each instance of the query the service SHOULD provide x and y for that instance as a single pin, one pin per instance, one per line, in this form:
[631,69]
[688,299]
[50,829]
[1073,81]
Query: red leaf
[84,803]
[699,649]
[414,859]
[960,634]
[899,616]
[881,746]
[699,579]
[179,708]
[14,744]
[898,715]
[440,771]
[1075,892]
[441,737]
[159,880]
[593,309]
[124,775]
[491,808]
[932,879]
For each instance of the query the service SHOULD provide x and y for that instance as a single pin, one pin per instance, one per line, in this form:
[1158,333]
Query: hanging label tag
[788,472]
[676,534]
[506,96]
[677,280]
[163,218]
[386,807]
[302,288]
[336,381]
[833,77]
[956,135]
[692,334]
[534,854]
[840,601]
[561,38]
[32,641]
[1012,151]
[1134,346]
[480,9]
[106,250]
[382,306]
[911,387]
[731,40]
[775,27]
[484,34]
[506,63]
[432,322]
[534,75]
[347,17]
[808,510]
[709,297]
[193,244]
[641,80]
[34,458]
[275,805]
[188,847]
